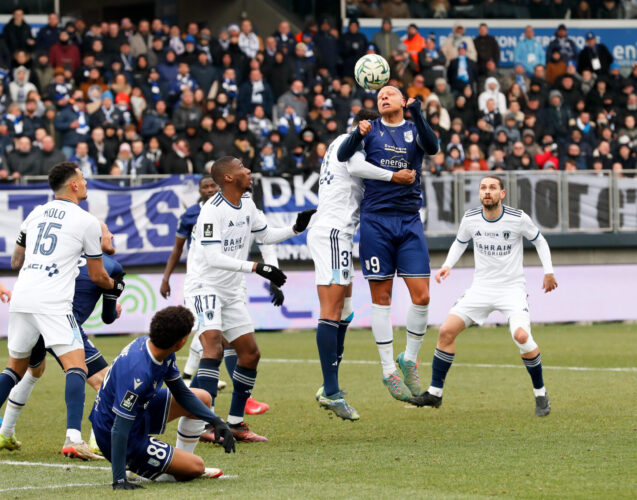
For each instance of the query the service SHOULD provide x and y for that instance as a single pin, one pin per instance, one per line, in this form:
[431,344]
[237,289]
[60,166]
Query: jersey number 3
[46,232]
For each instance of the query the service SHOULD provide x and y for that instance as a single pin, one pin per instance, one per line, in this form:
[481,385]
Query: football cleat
[134,477]
[410,372]
[426,399]
[542,406]
[254,407]
[208,436]
[221,385]
[79,450]
[9,443]
[92,445]
[337,404]
[242,432]
[319,393]
[397,387]
[212,473]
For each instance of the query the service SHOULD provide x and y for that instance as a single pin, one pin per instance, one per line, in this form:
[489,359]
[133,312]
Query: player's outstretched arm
[175,255]
[119,443]
[5,293]
[353,141]
[269,235]
[544,252]
[455,252]
[193,405]
[358,167]
[426,136]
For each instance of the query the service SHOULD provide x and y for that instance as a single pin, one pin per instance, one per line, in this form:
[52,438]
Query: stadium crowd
[125,99]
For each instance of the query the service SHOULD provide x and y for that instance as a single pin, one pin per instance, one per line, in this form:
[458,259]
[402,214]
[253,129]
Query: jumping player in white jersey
[215,287]
[42,302]
[498,285]
[330,240]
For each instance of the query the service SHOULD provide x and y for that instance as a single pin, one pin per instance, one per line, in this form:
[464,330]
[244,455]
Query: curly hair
[170,325]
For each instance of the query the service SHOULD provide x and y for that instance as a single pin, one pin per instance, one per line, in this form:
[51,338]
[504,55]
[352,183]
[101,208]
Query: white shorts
[60,332]
[477,303]
[228,315]
[331,251]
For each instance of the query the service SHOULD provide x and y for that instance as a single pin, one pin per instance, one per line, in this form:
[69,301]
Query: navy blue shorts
[93,358]
[391,244]
[146,455]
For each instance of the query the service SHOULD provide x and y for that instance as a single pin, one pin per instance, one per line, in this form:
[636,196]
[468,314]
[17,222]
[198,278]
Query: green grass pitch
[483,442]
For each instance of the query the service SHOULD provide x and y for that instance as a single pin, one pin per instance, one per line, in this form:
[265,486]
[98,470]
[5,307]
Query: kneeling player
[131,405]
[330,244]
[498,285]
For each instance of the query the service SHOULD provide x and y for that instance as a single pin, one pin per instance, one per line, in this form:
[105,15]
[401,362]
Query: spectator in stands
[514,160]
[457,36]
[73,123]
[49,155]
[186,112]
[140,164]
[107,112]
[255,92]
[611,9]
[249,42]
[268,163]
[529,51]
[20,87]
[413,42]
[444,95]
[260,125]
[352,46]
[487,48]
[573,154]
[433,108]
[395,9]
[556,66]
[113,39]
[65,54]
[563,44]
[417,88]
[327,45]
[594,57]
[102,153]
[290,122]
[204,73]
[294,98]
[462,71]
[402,66]
[386,39]
[183,81]
[23,160]
[432,61]
[178,160]
[285,38]
[17,33]
[548,156]
[557,116]
[492,91]
[49,34]
[142,40]
[85,163]
[302,67]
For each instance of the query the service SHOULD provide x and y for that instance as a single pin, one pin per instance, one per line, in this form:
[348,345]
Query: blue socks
[207,376]
[243,380]
[8,379]
[74,394]
[340,339]
[230,359]
[440,366]
[327,335]
[534,367]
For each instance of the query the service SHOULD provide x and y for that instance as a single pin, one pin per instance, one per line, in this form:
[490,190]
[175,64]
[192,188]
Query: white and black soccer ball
[371,71]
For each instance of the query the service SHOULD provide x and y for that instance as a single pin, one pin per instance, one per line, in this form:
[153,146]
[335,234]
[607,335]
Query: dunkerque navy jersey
[188,220]
[131,382]
[392,147]
[88,293]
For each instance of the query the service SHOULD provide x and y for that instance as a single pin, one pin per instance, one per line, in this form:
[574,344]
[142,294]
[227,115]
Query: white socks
[536,392]
[384,336]
[18,397]
[188,432]
[74,435]
[417,317]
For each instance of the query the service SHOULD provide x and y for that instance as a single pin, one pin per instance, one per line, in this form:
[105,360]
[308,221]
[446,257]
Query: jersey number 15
[46,232]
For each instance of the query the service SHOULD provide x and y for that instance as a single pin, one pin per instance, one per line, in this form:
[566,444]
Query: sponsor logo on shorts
[154,462]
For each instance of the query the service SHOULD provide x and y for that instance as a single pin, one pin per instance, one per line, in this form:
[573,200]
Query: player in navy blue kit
[131,405]
[87,295]
[392,234]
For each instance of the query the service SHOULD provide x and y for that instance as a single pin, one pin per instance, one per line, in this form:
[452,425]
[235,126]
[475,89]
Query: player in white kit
[330,242]
[215,286]
[59,232]
[498,285]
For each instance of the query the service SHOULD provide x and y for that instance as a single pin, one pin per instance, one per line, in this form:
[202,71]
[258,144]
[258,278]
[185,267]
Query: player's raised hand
[550,283]
[410,101]
[123,484]
[364,127]
[274,274]
[164,289]
[404,176]
[302,220]
[118,286]
[277,295]
[442,274]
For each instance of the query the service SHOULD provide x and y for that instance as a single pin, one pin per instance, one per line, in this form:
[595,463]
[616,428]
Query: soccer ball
[371,71]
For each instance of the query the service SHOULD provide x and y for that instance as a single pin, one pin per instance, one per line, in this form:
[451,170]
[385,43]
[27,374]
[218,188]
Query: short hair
[204,178]
[220,167]
[496,177]
[61,173]
[170,325]
[365,114]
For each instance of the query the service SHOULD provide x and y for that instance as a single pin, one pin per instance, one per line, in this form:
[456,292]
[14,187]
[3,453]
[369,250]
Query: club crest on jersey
[345,274]
[207,230]
[130,398]
[506,234]
[210,315]
[409,136]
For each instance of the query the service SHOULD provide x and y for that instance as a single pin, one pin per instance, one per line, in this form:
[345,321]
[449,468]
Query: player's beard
[490,204]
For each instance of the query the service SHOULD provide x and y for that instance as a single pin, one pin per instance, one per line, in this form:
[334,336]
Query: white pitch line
[53,487]
[628,369]
[43,464]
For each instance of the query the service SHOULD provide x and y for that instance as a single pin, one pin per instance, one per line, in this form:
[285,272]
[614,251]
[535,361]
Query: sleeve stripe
[93,256]
[536,236]
[463,242]
[123,415]
[210,242]
[172,379]
[259,230]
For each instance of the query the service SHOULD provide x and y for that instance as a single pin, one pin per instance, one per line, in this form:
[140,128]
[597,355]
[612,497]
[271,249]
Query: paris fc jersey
[393,147]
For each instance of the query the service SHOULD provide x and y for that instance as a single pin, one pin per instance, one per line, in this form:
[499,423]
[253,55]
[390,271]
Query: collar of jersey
[233,206]
[392,124]
[65,200]
[151,354]
[494,220]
